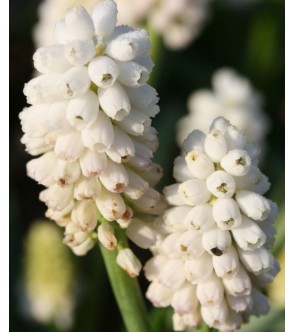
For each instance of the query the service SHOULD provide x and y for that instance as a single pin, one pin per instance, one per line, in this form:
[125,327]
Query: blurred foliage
[248,38]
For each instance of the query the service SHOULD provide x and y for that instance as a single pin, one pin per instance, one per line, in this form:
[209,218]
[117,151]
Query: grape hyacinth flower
[212,253]
[232,97]
[48,276]
[90,122]
[179,22]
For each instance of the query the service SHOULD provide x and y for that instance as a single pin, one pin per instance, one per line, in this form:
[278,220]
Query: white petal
[74,82]
[136,123]
[216,241]
[99,136]
[122,147]
[199,164]
[79,52]
[41,169]
[103,71]
[93,163]
[132,74]
[129,262]
[227,265]
[194,192]
[104,16]
[66,173]
[210,291]
[79,23]
[248,235]
[236,162]
[226,213]
[129,45]
[106,236]
[82,111]
[84,215]
[141,234]
[114,101]
[253,205]
[181,172]
[115,177]
[194,141]
[87,188]
[215,145]
[69,146]
[199,218]
[51,59]
[221,184]
[110,205]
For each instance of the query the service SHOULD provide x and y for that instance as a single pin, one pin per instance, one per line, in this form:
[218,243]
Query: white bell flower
[90,120]
[214,238]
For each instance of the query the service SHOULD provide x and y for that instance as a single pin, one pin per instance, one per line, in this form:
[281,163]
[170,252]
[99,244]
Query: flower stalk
[126,289]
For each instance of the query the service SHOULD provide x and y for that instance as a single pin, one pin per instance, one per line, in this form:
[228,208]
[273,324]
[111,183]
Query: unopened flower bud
[82,111]
[87,188]
[99,135]
[194,141]
[248,235]
[199,164]
[256,260]
[181,172]
[215,145]
[84,216]
[226,213]
[74,82]
[41,169]
[184,299]
[51,59]
[114,101]
[227,265]
[128,46]
[106,236]
[129,262]
[236,162]
[66,173]
[132,74]
[115,177]
[199,218]
[141,234]
[103,71]
[172,274]
[79,23]
[216,241]
[200,269]
[79,52]
[221,184]
[105,18]
[210,291]
[194,192]
[253,205]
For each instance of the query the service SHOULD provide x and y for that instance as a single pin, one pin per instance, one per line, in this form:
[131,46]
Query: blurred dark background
[248,38]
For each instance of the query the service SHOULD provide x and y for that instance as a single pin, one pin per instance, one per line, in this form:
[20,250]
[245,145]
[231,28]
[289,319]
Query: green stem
[126,290]
[157,55]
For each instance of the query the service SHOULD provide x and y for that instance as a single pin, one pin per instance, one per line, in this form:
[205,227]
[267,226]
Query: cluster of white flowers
[232,97]
[179,21]
[212,256]
[48,276]
[90,121]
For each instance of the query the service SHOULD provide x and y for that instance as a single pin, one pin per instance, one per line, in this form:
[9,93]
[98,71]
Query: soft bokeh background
[248,38]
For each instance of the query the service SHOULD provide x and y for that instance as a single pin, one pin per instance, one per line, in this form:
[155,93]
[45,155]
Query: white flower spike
[178,21]
[212,252]
[233,98]
[90,121]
